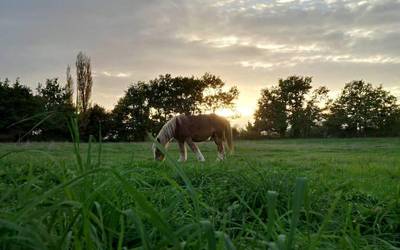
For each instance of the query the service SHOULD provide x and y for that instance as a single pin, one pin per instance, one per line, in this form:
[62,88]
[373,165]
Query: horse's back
[199,127]
[203,121]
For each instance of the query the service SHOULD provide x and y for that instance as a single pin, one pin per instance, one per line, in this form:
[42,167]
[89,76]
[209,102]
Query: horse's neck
[167,134]
[165,139]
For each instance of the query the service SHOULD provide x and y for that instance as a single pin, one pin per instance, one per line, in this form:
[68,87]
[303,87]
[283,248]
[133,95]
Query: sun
[246,110]
[243,111]
[225,112]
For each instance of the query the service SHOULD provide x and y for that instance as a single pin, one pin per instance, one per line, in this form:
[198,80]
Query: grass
[276,194]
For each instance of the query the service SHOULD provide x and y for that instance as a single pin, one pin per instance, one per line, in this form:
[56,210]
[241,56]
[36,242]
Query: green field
[53,198]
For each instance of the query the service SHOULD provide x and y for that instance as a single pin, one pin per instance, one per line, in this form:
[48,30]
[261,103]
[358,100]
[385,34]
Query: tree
[56,102]
[289,106]
[270,115]
[315,113]
[131,116]
[173,95]
[293,92]
[53,95]
[188,95]
[249,132]
[215,97]
[17,104]
[84,82]
[147,106]
[69,86]
[362,110]
[98,123]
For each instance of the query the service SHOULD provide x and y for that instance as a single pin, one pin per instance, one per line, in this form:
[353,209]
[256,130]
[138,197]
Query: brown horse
[195,128]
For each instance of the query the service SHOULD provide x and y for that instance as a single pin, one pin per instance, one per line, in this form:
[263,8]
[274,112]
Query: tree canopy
[147,106]
[291,108]
[363,110]
[17,103]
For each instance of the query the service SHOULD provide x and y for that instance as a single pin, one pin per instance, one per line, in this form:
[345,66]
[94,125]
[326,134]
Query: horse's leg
[182,151]
[220,146]
[195,149]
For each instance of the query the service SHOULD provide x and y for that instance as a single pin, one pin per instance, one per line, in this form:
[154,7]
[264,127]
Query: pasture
[114,196]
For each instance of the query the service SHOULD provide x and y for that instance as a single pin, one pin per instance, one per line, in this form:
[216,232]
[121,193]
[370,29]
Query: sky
[248,43]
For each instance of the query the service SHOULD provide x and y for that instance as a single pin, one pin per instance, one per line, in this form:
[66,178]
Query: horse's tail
[228,136]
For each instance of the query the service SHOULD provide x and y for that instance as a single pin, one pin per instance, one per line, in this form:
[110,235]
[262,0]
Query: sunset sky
[248,43]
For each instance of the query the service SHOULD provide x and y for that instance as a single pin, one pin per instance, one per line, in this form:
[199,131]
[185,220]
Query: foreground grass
[114,196]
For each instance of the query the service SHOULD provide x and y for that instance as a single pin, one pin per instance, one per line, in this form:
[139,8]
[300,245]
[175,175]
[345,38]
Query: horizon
[250,44]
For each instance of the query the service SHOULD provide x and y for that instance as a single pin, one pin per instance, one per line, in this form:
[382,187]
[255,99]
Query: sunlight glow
[225,112]
[242,111]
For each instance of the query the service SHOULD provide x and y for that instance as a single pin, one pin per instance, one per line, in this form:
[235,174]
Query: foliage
[17,103]
[96,122]
[316,113]
[56,103]
[84,82]
[53,95]
[147,106]
[131,116]
[293,92]
[362,110]
[69,86]
[173,95]
[288,106]
[214,95]
[290,109]
[271,113]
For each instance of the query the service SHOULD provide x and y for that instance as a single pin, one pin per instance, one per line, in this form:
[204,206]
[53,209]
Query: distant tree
[53,95]
[147,106]
[394,128]
[188,95]
[98,123]
[17,104]
[131,116]
[70,86]
[214,95]
[271,115]
[56,101]
[173,95]
[84,82]
[293,92]
[362,110]
[289,107]
[315,113]
[249,132]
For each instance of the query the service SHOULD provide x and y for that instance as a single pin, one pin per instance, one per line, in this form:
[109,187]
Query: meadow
[270,194]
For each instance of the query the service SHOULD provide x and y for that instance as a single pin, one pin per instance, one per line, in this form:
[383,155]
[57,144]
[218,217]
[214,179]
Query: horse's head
[158,155]
[165,135]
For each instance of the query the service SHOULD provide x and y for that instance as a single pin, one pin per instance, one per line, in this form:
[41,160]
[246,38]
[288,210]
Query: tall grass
[81,203]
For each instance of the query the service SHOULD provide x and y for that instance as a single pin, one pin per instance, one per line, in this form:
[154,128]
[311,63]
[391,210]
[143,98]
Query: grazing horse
[195,128]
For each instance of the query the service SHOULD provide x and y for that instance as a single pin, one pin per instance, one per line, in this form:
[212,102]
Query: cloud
[250,43]
[312,59]
[117,74]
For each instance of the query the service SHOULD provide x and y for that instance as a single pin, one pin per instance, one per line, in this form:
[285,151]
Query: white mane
[167,131]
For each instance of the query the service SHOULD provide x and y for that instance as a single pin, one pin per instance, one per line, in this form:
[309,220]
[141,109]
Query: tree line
[292,108]
[43,114]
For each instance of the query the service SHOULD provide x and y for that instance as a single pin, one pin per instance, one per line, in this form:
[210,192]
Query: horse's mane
[167,132]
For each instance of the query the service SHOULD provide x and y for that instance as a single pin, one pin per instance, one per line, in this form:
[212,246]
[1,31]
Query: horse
[194,128]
